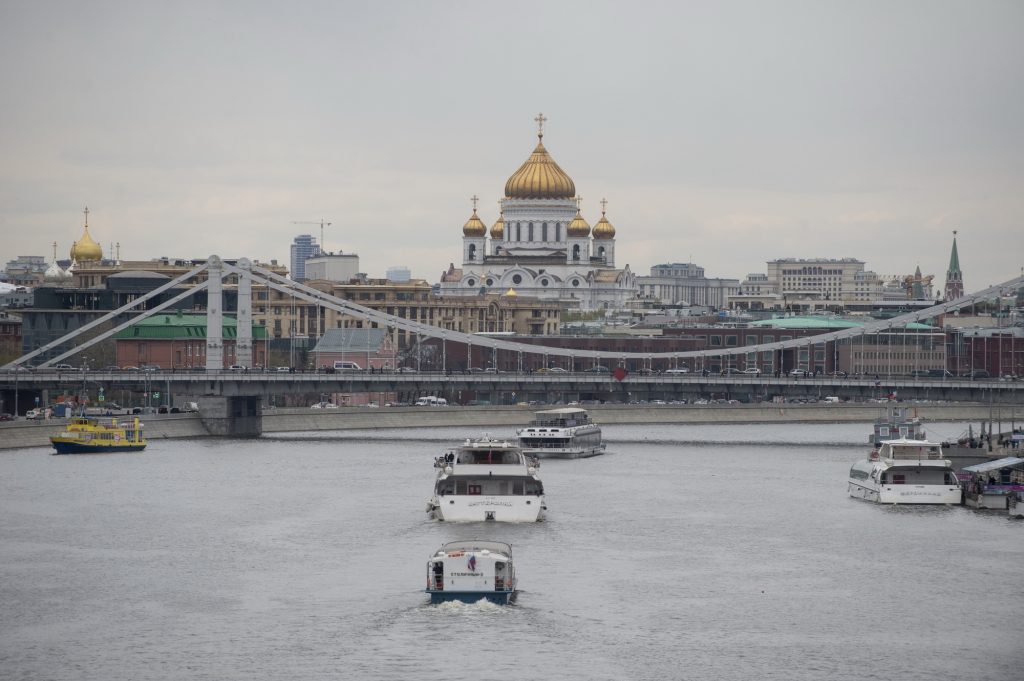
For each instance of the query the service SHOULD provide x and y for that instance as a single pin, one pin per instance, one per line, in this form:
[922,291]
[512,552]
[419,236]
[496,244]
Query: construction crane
[323,223]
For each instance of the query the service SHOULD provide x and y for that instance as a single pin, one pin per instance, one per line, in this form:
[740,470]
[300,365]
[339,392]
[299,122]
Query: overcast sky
[721,133]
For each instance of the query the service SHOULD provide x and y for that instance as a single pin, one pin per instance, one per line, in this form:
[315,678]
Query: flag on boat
[472,563]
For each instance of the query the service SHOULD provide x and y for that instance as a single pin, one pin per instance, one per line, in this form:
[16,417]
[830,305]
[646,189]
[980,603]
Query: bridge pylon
[215,315]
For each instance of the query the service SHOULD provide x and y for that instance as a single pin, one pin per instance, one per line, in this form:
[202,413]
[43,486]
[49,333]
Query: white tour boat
[566,433]
[905,472]
[470,571]
[487,479]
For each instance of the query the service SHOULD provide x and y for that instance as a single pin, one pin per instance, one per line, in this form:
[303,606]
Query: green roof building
[178,341]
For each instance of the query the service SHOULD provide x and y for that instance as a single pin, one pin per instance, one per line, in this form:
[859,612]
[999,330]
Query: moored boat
[487,479]
[566,433]
[905,472]
[472,570]
[91,435]
[897,423]
[993,484]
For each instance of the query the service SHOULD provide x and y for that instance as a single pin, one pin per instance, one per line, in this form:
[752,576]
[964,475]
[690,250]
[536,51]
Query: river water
[686,552]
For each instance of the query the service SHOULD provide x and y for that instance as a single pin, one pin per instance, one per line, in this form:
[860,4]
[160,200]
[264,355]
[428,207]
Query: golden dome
[498,230]
[474,226]
[578,227]
[603,229]
[540,178]
[86,249]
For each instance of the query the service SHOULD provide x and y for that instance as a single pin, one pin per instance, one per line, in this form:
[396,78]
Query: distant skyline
[725,134]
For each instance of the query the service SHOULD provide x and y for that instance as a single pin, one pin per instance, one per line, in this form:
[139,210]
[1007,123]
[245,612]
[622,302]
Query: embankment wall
[21,434]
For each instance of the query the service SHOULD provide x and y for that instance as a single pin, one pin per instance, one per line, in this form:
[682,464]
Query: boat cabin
[568,417]
[914,450]
[898,423]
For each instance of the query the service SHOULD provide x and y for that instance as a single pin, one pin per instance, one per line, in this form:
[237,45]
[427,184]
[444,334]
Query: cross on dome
[579,200]
[540,119]
[474,199]
[86,211]
[604,204]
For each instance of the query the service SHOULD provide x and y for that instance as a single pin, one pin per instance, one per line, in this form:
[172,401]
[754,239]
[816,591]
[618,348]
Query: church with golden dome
[86,249]
[541,245]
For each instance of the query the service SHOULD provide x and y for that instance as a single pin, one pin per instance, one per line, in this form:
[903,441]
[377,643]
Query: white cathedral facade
[541,246]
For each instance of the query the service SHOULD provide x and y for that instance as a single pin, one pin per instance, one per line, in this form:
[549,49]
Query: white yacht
[905,471]
[566,433]
[487,479]
[470,571]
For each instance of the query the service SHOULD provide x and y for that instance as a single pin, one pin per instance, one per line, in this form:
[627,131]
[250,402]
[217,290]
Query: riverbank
[21,434]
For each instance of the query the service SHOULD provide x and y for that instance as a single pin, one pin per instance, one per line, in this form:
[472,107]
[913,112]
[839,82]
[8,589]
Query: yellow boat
[88,435]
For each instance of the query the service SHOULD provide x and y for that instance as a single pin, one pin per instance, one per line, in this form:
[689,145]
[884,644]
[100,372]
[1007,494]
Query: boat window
[517,486]
[899,479]
[475,489]
[460,486]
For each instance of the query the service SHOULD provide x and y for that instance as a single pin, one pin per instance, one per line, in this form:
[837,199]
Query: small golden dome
[498,230]
[511,293]
[540,178]
[474,226]
[85,249]
[603,229]
[578,227]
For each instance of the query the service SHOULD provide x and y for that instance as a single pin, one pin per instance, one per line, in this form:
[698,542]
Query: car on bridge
[752,371]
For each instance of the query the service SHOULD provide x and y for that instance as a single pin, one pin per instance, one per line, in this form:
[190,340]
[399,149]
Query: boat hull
[79,448]
[1015,507]
[470,509]
[993,501]
[906,494]
[498,597]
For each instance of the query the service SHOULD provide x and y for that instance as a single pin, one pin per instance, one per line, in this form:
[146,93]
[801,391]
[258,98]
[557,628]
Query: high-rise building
[304,246]
[398,274]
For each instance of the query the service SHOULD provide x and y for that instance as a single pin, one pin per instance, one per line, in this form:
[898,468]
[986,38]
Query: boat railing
[501,584]
[915,453]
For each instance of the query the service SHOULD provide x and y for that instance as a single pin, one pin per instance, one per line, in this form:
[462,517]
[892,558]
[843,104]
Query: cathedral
[541,245]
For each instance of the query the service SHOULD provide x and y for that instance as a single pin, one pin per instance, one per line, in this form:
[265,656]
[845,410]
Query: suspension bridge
[232,401]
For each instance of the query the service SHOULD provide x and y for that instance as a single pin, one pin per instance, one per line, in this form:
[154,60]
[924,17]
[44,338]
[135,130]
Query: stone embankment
[20,434]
